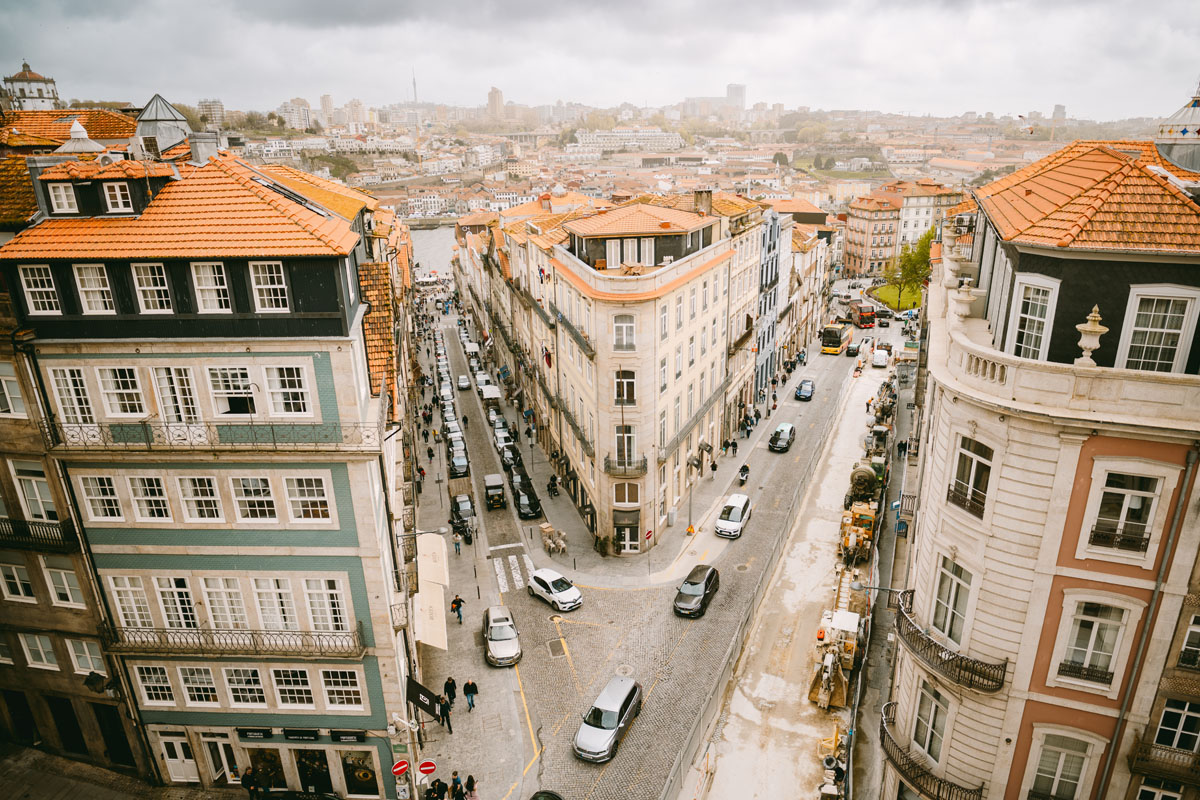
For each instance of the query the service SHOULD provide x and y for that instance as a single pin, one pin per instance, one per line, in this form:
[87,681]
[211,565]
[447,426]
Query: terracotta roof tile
[341,200]
[378,325]
[17,200]
[99,123]
[10,137]
[723,203]
[95,171]
[181,151]
[638,218]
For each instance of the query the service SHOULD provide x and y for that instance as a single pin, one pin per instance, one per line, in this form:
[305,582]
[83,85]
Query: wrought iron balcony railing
[914,771]
[1131,537]
[1170,763]
[580,338]
[1070,669]
[209,641]
[153,435]
[629,467]
[43,536]
[1189,659]
[983,676]
[963,496]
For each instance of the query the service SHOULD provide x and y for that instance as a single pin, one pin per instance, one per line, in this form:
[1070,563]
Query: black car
[805,390]
[697,591]
[510,457]
[781,440]
[459,467]
[528,506]
[519,480]
[462,510]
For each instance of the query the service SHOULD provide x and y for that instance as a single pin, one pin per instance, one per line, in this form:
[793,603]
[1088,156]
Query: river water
[432,250]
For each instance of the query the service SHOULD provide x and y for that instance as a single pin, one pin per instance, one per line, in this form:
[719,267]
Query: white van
[734,514]
[880,359]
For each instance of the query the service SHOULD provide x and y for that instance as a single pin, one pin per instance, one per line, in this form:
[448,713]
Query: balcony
[737,343]
[1169,763]
[1131,537]
[982,676]
[584,442]
[40,535]
[966,498]
[210,642]
[629,467]
[914,770]
[1069,669]
[534,305]
[151,435]
[580,338]
[1189,659]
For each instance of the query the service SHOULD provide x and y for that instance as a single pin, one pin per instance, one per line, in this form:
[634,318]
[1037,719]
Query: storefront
[626,530]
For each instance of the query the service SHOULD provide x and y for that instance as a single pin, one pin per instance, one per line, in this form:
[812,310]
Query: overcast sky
[1104,59]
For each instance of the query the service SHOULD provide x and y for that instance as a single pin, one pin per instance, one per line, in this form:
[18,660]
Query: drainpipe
[1127,696]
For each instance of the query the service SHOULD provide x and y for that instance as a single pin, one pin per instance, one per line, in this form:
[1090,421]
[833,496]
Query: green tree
[781,159]
[914,263]
[192,116]
[599,121]
[892,275]
[810,133]
[255,120]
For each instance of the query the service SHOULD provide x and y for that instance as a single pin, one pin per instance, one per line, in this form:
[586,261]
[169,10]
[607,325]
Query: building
[214,348]
[30,91]
[629,137]
[776,233]
[735,96]
[213,111]
[495,103]
[872,239]
[295,113]
[1048,643]
[326,110]
[923,204]
[1060,113]
[805,271]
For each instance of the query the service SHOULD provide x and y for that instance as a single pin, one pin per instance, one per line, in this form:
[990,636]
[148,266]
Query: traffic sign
[426,767]
[399,768]
[649,534]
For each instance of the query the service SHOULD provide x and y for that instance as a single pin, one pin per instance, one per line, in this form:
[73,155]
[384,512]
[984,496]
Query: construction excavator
[839,637]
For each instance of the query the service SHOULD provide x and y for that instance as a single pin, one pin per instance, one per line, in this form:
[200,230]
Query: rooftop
[56,124]
[638,218]
[96,171]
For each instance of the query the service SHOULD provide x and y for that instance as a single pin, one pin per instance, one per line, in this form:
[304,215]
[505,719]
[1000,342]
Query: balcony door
[181,765]
[626,445]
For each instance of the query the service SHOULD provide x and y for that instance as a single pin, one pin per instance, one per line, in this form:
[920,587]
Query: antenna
[414,74]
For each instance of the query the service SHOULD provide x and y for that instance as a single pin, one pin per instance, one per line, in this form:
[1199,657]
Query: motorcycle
[744,474]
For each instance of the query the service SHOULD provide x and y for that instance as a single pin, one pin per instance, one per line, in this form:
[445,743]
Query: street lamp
[858,587]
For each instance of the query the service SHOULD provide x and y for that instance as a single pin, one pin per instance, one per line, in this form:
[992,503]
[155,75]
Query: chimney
[204,146]
[702,201]
[545,198]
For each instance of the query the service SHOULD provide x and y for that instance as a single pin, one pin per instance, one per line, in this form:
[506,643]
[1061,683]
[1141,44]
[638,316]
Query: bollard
[573,566]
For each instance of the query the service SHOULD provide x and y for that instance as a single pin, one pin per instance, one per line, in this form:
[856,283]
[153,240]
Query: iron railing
[629,467]
[1134,538]
[737,343]
[970,672]
[584,441]
[154,435]
[963,496]
[208,641]
[914,771]
[1190,659]
[580,338]
[1070,669]
[47,537]
[1160,761]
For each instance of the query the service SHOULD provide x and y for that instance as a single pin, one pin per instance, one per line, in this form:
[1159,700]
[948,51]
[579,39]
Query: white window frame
[1168,479]
[75,406]
[358,686]
[627,503]
[256,287]
[624,333]
[213,290]
[1134,609]
[137,493]
[1186,335]
[170,599]
[223,594]
[279,688]
[1096,745]
[52,574]
[10,392]
[18,570]
[958,586]
[197,671]
[230,686]
[50,300]
[117,196]
[278,395]
[322,594]
[1035,281]
[86,484]
[139,288]
[131,588]
[175,388]
[220,387]
[157,670]
[276,592]
[41,649]
[93,656]
[1191,644]
[237,508]
[326,494]
[102,289]
[62,198]
[939,707]
[41,483]
[112,396]
[186,495]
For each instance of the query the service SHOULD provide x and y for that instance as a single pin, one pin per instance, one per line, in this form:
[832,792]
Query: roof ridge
[1070,198]
[1104,189]
[285,207]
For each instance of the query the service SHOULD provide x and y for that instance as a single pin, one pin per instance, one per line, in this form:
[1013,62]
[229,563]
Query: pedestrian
[456,791]
[455,782]
[457,539]
[469,692]
[421,472]
[713,466]
[436,436]
[733,447]
[868,406]
[456,605]
[774,397]
[757,416]
[250,782]
[451,690]
[472,792]
[724,447]
[429,453]
[464,421]
[445,712]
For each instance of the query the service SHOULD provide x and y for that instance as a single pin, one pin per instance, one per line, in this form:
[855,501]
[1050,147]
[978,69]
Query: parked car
[493,414]
[805,390]
[464,382]
[781,440]
[510,458]
[528,505]
[697,591]
[519,481]
[493,491]
[499,421]
[446,392]
[503,440]
[880,359]
[473,363]
[501,645]
[608,720]
[460,467]
[555,590]
[734,515]
[452,428]
[461,511]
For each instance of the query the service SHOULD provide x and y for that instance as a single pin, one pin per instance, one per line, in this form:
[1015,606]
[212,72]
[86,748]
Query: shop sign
[347,736]
[301,734]
[255,733]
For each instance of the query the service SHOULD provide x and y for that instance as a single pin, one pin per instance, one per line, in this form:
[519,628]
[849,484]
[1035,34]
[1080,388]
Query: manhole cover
[742,567]
[556,648]
[556,618]
[624,670]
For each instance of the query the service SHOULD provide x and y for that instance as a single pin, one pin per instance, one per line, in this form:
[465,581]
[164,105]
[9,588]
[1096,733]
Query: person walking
[425,435]
[456,791]
[429,453]
[469,692]
[455,784]
[444,709]
[456,605]
[457,539]
[733,447]
[250,782]
[470,786]
[450,688]
[464,421]
[713,466]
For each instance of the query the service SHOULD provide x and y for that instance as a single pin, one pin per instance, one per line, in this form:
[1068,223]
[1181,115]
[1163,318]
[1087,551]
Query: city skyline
[938,59]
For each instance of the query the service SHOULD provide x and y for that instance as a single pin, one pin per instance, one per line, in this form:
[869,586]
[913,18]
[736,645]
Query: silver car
[608,720]
[502,648]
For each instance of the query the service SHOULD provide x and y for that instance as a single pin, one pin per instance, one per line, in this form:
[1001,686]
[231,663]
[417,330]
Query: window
[662,430]
[704,297]
[245,686]
[630,251]
[62,198]
[1190,657]
[1179,726]
[199,688]
[153,292]
[692,303]
[930,726]
[270,288]
[306,499]
[341,688]
[132,607]
[648,251]
[612,253]
[691,350]
[17,585]
[623,332]
[703,342]
[1060,767]
[225,608]
[1159,325]
[101,496]
[73,402]
[12,404]
[176,394]
[149,499]
[662,375]
[950,603]
[626,442]
[678,312]
[662,321]
[254,499]
[326,605]
[626,494]
[64,586]
[176,599]
[35,490]
[156,686]
[1091,648]
[86,656]
[292,687]
[95,295]
[678,360]
[116,195]
[1126,512]
[39,651]
[200,500]
[285,386]
[212,288]
[276,609]
[121,392]
[40,295]
[969,489]
[626,395]
[231,390]
[1159,789]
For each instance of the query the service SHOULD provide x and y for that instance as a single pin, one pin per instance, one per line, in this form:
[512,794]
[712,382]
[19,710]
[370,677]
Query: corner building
[1049,644]
[210,398]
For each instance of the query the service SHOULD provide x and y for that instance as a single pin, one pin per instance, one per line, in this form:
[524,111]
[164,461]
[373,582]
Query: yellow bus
[835,338]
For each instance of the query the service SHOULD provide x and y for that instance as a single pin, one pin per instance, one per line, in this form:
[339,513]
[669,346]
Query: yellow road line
[525,705]
[560,724]
[524,772]
[570,661]
[616,588]
[591,624]
[703,556]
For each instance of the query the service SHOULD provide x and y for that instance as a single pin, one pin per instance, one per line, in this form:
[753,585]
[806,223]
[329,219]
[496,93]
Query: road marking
[529,569]
[703,556]
[570,661]
[589,624]
[518,583]
[500,579]
[506,546]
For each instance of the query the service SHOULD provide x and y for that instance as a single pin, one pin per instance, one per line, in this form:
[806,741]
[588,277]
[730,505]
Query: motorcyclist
[744,472]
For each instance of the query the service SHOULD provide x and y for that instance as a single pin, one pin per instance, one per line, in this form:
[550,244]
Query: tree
[810,133]
[599,121]
[914,263]
[892,274]
[781,159]
[191,115]
[255,120]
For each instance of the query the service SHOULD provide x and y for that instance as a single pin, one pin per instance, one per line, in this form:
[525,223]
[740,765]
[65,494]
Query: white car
[502,440]
[733,517]
[555,590]
[464,382]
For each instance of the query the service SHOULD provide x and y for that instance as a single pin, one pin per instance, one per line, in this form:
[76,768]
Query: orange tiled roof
[724,204]
[214,211]
[183,151]
[637,218]
[478,218]
[17,201]
[341,200]
[967,206]
[1095,198]
[1143,151]
[378,325]
[95,171]
[794,205]
[11,137]
[99,123]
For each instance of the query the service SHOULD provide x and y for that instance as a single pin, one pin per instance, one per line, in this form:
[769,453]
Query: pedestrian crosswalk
[510,567]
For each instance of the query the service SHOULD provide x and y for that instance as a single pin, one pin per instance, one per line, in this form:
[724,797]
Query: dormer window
[62,198]
[116,194]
